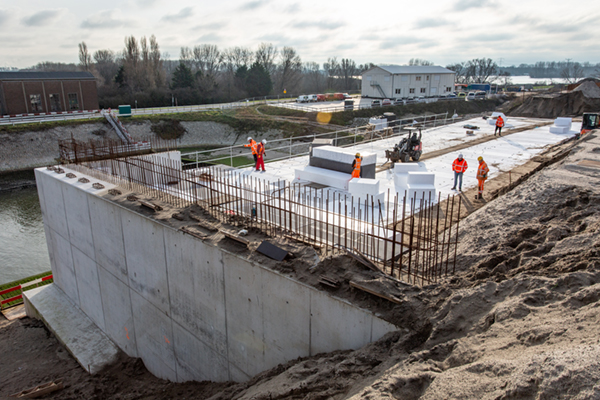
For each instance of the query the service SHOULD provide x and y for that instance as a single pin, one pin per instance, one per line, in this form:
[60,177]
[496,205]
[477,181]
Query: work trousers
[458,177]
[498,130]
[260,162]
[481,181]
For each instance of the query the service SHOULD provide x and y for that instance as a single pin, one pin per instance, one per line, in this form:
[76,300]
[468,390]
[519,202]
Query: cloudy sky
[382,32]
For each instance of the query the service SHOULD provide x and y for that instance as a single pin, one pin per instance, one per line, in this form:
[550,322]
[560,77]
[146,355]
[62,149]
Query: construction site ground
[517,320]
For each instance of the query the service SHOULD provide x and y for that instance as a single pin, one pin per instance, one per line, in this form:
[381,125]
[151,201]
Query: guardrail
[300,145]
[14,300]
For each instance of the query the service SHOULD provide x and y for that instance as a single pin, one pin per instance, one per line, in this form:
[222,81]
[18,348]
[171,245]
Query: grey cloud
[392,43]
[104,20]
[42,18]
[292,8]
[209,38]
[462,5]
[147,3]
[4,17]
[370,36]
[550,27]
[185,13]
[326,25]
[253,5]
[431,23]
[211,26]
[490,37]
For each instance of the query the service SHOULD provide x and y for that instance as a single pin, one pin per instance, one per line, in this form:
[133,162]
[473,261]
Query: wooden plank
[39,390]
[15,312]
[367,262]
[391,298]
[199,235]
[237,238]
[149,205]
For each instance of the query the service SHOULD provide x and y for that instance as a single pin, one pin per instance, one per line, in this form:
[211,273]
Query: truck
[485,87]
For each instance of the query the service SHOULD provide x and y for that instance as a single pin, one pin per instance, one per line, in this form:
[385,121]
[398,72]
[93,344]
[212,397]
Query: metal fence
[413,239]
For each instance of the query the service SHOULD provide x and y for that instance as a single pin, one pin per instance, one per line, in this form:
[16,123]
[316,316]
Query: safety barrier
[11,301]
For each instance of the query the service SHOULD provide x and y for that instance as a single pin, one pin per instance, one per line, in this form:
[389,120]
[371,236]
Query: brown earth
[519,319]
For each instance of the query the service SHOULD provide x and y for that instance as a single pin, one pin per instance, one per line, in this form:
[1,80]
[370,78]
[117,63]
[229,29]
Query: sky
[383,32]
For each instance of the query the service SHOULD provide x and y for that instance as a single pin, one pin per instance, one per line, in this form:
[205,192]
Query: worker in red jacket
[482,173]
[499,125]
[260,155]
[459,166]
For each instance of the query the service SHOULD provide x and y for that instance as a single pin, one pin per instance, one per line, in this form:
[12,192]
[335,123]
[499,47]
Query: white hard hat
[249,138]
[264,141]
[460,155]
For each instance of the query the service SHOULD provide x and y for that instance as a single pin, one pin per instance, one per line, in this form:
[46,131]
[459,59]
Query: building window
[398,91]
[448,89]
[418,77]
[411,90]
[427,77]
[55,102]
[423,90]
[73,103]
[36,102]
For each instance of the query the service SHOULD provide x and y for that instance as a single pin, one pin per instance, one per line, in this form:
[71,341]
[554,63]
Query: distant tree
[289,71]
[365,67]
[480,69]
[85,59]
[182,77]
[258,81]
[207,60]
[106,66]
[418,61]
[314,78]
[571,72]
[155,63]
[348,72]
[266,55]
[120,77]
[332,70]
[462,72]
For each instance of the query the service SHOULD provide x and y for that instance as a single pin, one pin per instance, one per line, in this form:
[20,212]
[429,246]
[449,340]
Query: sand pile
[553,106]
[589,89]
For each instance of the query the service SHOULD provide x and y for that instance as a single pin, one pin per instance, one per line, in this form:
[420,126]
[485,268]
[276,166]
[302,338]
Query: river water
[23,250]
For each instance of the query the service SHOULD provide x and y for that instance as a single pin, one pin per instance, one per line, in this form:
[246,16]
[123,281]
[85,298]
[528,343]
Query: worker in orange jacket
[252,144]
[459,166]
[356,166]
[260,155]
[482,173]
[499,125]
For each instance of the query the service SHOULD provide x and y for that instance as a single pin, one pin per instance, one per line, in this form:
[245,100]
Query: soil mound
[553,106]
[589,89]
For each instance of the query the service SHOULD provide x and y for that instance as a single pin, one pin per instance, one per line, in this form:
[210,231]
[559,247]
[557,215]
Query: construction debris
[40,390]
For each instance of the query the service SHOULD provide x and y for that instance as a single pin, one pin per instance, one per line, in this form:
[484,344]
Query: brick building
[45,92]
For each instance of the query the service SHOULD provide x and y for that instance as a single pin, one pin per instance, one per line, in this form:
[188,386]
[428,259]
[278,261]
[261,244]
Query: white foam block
[402,168]
[343,155]
[362,186]
[418,192]
[562,121]
[560,129]
[323,176]
[420,178]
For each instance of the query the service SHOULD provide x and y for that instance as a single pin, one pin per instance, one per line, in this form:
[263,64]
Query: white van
[302,99]
[312,98]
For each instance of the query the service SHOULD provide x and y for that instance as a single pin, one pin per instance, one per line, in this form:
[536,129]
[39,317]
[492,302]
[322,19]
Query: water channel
[23,250]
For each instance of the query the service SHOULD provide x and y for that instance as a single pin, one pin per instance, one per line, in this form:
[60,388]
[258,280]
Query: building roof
[22,75]
[416,69]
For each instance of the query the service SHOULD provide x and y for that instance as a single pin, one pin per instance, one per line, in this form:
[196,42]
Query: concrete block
[54,205]
[88,286]
[286,309]
[323,176]
[154,338]
[420,178]
[562,121]
[196,290]
[380,328]
[145,255]
[78,219]
[196,361]
[118,314]
[244,305]
[560,129]
[337,325]
[380,123]
[61,260]
[107,233]
[343,155]
[80,336]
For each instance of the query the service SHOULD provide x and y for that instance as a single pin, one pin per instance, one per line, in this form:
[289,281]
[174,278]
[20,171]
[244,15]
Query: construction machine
[409,147]
[589,122]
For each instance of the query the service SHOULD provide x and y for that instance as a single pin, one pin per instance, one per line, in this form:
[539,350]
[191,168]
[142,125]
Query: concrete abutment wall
[190,310]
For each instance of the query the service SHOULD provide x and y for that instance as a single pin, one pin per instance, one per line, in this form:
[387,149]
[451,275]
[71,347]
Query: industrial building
[394,81]
[47,92]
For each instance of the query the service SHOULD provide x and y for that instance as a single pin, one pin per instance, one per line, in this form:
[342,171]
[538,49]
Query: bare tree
[480,69]
[85,59]
[418,61]
[314,78]
[234,58]
[348,71]
[106,66]
[571,72]
[207,59]
[265,55]
[131,64]
[186,57]
[289,73]
[332,70]
[156,63]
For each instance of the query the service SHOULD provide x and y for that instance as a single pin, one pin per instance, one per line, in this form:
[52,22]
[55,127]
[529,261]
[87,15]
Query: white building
[392,81]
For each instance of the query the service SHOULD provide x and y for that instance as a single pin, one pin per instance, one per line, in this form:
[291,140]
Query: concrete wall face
[190,310]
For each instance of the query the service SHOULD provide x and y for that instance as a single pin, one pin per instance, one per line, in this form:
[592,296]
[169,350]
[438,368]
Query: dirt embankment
[570,104]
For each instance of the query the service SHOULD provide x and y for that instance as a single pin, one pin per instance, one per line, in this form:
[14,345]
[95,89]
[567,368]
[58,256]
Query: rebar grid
[412,239]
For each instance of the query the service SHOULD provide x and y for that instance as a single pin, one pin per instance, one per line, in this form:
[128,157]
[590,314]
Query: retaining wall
[190,310]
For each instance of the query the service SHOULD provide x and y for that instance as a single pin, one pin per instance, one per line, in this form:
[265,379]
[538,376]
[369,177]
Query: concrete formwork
[190,310]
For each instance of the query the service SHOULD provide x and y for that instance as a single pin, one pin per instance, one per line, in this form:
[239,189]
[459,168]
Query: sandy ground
[519,319]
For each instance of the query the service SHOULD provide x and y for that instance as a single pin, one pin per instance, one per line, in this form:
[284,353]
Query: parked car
[321,97]
[376,103]
[312,98]
[451,95]
[480,95]
[461,95]
[470,96]
[338,96]
[398,102]
[386,102]
[347,96]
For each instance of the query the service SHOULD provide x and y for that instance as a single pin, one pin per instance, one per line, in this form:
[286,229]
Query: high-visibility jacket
[499,121]
[482,171]
[356,165]
[459,165]
[252,146]
[260,149]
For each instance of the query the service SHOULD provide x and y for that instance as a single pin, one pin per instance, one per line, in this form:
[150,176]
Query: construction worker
[459,166]
[252,145]
[499,125]
[356,166]
[260,155]
[482,173]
